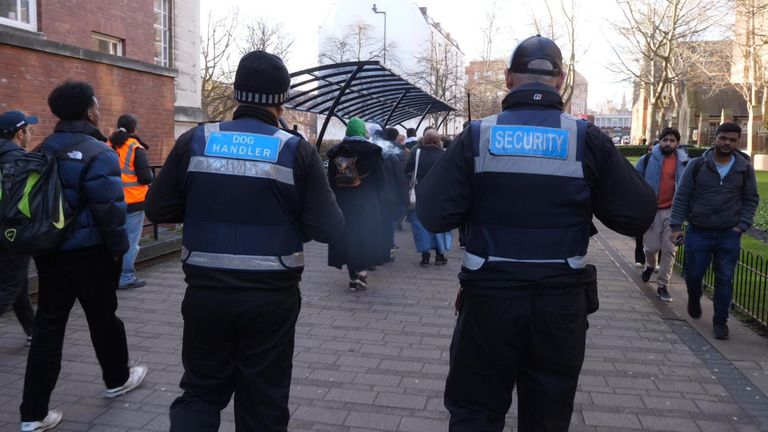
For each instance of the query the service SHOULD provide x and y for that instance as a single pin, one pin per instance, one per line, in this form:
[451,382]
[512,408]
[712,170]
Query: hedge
[639,150]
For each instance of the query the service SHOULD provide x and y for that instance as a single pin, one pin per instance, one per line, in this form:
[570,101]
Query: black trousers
[14,289]
[533,340]
[89,276]
[236,341]
[639,250]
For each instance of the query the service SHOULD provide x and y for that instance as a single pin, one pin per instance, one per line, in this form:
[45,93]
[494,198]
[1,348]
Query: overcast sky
[464,20]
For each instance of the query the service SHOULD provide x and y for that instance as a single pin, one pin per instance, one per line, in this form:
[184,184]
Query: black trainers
[646,274]
[694,306]
[424,259]
[663,294]
[440,259]
[721,331]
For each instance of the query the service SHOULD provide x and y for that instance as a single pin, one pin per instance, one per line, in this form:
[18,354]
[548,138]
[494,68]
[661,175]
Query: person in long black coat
[395,196]
[359,246]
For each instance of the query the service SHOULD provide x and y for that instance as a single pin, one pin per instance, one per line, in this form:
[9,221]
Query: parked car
[625,140]
[616,140]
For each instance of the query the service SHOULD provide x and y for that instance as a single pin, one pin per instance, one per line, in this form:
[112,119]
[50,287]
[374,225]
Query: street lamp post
[385,30]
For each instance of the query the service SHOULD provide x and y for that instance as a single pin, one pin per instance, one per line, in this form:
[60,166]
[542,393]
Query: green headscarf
[356,127]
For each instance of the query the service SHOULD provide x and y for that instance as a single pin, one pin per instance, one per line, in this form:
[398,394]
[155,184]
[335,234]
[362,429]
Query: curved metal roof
[360,89]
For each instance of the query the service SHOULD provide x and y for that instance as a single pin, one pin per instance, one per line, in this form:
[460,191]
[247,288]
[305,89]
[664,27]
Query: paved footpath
[376,360]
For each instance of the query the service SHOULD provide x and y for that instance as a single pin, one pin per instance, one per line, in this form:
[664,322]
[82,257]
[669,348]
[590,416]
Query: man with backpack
[86,265]
[662,168]
[15,134]
[718,197]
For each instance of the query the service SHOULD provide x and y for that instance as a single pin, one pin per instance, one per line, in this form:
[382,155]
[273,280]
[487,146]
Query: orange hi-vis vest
[134,192]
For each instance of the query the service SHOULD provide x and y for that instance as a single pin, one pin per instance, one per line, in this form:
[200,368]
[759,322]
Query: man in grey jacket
[662,169]
[718,197]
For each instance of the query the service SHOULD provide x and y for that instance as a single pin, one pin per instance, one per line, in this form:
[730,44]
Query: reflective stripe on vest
[570,167]
[242,167]
[242,262]
[133,190]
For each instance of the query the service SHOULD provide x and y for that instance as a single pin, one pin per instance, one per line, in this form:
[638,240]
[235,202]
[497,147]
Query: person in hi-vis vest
[136,175]
[250,194]
[527,182]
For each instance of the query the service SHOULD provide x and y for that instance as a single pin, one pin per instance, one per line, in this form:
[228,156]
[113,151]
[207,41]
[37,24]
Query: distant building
[616,124]
[142,60]
[486,87]
[579,98]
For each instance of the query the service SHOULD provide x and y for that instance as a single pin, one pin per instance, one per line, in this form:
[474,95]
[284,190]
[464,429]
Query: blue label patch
[529,141]
[241,145]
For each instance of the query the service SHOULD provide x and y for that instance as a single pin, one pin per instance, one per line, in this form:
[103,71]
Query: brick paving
[376,360]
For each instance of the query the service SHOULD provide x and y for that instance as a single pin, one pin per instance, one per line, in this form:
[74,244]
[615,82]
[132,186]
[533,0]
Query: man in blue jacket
[527,182]
[718,197]
[86,267]
[662,169]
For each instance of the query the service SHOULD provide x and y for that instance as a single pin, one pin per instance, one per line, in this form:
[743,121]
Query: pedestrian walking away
[718,198]
[526,287]
[662,168]
[15,134]
[417,167]
[250,194]
[356,175]
[86,266]
[136,174]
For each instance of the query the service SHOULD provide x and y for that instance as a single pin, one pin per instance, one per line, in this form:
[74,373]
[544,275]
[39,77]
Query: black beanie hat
[261,79]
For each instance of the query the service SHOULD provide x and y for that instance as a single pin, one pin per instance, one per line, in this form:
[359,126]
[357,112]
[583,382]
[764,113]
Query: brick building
[141,56]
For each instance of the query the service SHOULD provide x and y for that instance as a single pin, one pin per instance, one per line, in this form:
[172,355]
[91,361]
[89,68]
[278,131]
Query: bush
[631,150]
[696,151]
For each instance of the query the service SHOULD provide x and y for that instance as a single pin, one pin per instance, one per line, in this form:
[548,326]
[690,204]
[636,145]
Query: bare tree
[217,73]
[266,36]
[653,35]
[750,41]
[485,82]
[219,43]
[561,18]
[356,43]
[440,72]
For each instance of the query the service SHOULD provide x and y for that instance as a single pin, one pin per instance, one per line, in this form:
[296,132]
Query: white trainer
[49,422]
[135,378]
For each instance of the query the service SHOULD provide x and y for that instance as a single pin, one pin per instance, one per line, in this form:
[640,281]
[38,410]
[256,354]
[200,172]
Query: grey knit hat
[261,79]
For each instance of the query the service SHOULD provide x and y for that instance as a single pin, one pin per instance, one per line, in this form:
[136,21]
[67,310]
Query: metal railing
[750,285]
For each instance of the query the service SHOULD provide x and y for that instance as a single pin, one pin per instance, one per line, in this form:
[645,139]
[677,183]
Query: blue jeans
[134,224]
[721,247]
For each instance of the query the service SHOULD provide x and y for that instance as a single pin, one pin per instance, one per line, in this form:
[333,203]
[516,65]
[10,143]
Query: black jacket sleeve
[141,165]
[321,218]
[165,199]
[621,198]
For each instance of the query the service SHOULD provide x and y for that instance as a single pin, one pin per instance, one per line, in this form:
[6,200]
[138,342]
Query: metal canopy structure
[360,89]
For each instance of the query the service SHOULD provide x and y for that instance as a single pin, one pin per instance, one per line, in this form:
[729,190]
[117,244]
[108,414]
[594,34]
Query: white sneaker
[49,422]
[134,380]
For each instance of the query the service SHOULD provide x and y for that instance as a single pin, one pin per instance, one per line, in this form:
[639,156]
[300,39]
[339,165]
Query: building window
[162,32]
[19,13]
[107,44]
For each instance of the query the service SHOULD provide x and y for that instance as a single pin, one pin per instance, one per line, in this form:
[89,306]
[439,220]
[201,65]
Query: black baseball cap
[536,48]
[12,121]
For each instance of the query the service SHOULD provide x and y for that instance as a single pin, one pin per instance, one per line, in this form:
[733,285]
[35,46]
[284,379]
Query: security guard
[527,181]
[249,195]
